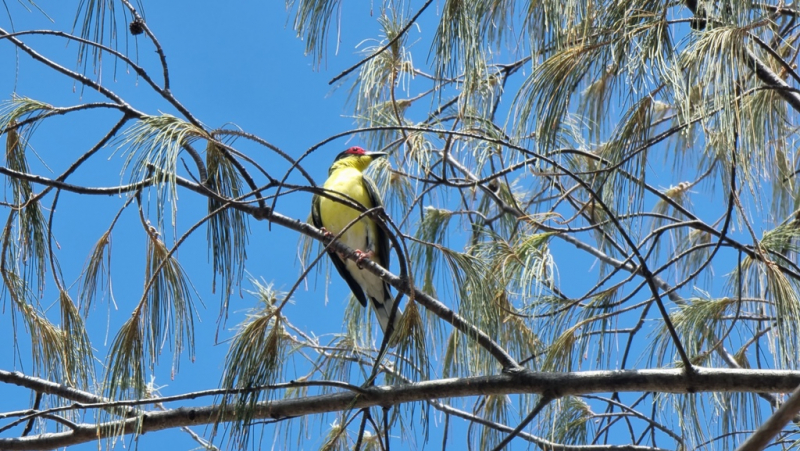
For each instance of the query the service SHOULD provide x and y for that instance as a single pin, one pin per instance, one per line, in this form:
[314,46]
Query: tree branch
[774,424]
[525,382]
[388,44]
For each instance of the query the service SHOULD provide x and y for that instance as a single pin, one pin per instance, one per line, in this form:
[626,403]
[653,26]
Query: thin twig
[383,49]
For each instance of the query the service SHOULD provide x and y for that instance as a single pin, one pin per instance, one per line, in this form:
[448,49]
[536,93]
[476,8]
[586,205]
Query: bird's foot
[325,232]
[361,256]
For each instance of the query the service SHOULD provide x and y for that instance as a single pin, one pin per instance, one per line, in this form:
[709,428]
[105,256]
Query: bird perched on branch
[346,177]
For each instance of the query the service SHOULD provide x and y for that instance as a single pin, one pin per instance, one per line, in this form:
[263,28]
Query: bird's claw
[361,256]
[325,232]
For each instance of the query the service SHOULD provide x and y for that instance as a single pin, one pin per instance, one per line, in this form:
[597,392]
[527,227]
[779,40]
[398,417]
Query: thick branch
[49,388]
[772,79]
[557,384]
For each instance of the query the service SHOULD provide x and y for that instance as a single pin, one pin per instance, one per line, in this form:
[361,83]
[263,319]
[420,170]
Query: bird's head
[355,157]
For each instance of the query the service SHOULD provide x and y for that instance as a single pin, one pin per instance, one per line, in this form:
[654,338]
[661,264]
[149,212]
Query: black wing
[382,238]
[315,219]
[387,305]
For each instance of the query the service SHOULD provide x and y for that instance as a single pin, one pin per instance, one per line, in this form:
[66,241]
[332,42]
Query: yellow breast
[336,216]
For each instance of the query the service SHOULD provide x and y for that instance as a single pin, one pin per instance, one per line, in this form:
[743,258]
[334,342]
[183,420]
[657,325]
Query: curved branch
[107,191]
[542,443]
[69,73]
[266,144]
[77,163]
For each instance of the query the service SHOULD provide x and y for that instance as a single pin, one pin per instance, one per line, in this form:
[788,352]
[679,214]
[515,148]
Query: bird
[346,176]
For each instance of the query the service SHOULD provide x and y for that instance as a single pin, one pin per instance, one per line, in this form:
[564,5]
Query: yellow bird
[346,176]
